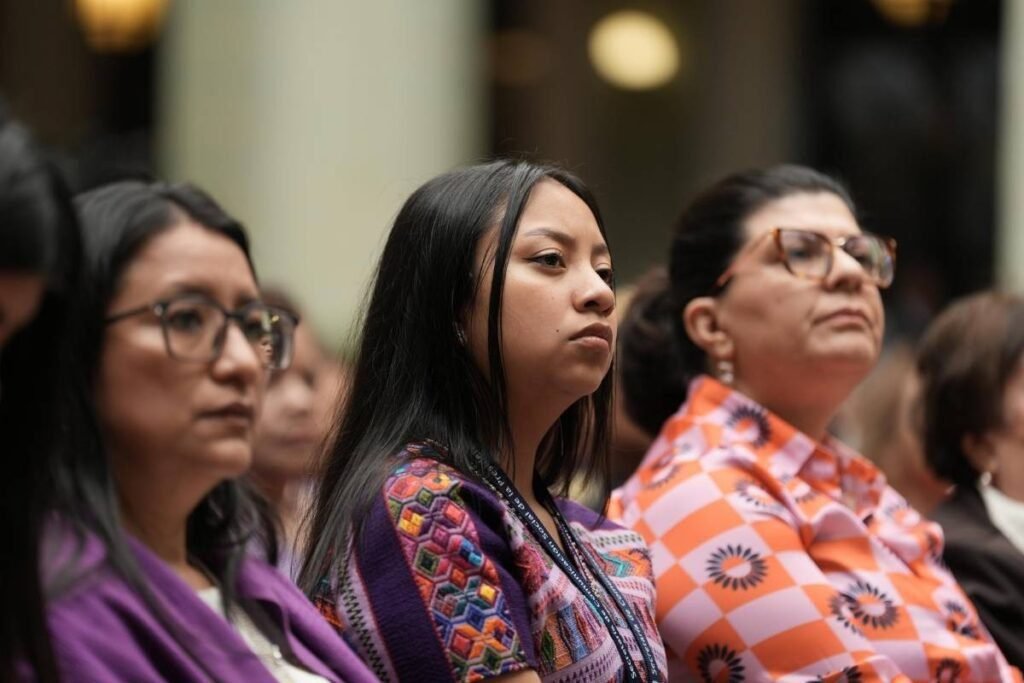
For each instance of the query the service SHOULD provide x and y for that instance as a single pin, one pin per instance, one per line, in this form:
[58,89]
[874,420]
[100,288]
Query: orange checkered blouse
[781,558]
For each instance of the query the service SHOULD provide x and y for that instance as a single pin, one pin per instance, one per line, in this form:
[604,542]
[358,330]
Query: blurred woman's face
[171,420]
[289,428]
[558,308]
[20,293]
[786,327]
[1005,455]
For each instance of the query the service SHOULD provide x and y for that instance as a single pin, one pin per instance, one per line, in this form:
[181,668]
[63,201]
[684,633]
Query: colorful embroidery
[459,585]
[437,519]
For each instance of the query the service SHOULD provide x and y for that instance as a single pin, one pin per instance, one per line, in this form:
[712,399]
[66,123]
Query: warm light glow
[634,50]
[120,25]
[913,13]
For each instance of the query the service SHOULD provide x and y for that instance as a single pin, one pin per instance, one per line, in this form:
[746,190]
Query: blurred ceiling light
[913,13]
[120,25]
[634,50]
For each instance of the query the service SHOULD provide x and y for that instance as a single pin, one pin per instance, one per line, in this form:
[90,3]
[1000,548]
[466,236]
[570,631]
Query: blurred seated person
[292,425]
[780,553]
[642,332]
[39,254]
[880,418]
[971,365]
[630,439]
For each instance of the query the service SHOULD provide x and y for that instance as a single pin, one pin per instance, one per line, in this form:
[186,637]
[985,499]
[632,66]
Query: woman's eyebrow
[565,239]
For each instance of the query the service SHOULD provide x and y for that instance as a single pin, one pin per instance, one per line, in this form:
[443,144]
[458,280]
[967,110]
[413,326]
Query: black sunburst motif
[839,605]
[663,476]
[960,621]
[714,660]
[755,495]
[736,567]
[948,671]
[806,496]
[744,414]
[870,606]
[850,674]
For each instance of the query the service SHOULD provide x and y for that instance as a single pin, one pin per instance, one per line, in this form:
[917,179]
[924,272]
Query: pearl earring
[724,370]
[985,479]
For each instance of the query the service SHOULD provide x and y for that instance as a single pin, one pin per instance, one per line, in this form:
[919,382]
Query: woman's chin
[228,459]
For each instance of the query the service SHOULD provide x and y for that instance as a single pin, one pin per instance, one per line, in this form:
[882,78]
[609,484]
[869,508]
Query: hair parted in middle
[413,376]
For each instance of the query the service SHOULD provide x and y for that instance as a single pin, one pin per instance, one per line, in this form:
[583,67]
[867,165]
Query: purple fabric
[446,584]
[104,631]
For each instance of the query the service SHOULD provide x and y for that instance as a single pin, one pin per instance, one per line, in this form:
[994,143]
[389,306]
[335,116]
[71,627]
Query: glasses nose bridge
[853,266]
[220,341]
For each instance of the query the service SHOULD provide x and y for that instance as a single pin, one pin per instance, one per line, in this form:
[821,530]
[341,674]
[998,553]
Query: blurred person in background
[629,440]
[291,426]
[39,251]
[483,383]
[151,562]
[780,553]
[648,359]
[881,419]
[971,365]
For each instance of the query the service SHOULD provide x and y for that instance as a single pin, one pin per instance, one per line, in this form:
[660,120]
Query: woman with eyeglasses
[779,553]
[482,388]
[159,558]
[38,266]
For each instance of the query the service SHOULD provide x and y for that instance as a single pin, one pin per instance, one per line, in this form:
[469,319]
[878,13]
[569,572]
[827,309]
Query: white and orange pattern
[780,558]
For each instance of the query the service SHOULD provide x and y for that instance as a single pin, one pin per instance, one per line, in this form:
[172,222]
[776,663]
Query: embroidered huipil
[448,585]
[780,558]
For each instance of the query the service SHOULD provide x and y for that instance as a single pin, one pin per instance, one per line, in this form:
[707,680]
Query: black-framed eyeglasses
[809,254]
[195,327]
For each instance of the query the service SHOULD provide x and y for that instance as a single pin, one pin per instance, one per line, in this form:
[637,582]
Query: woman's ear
[700,318]
[980,452]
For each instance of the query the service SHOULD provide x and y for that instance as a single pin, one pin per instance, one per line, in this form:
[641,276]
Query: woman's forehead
[822,212]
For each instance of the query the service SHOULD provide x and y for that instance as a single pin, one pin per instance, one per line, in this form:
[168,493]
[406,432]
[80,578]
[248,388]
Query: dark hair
[964,360]
[38,234]
[414,378]
[705,240]
[117,221]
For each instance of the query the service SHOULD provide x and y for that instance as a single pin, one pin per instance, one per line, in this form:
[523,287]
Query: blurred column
[312,120]
[1010,191]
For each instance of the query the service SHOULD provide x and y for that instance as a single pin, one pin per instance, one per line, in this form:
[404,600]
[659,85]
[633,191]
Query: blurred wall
[312,120]
[645,153]
[1010,190]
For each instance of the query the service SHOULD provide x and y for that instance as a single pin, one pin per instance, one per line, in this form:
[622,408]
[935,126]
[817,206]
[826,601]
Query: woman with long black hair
[483,383]
[152,558]
[38,261]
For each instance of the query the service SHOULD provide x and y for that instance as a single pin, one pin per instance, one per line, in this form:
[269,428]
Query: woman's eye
[186,320]
[552,260]
[607,274]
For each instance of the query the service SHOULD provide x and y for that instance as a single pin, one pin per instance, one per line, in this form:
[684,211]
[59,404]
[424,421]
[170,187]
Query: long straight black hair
[38,235]
[117,221]
[415,379]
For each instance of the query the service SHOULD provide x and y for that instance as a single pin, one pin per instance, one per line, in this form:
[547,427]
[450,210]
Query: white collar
[1007,514]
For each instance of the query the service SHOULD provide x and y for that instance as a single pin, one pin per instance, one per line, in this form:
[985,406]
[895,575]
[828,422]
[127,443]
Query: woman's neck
[529,423]
[161,524]
[811,412]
